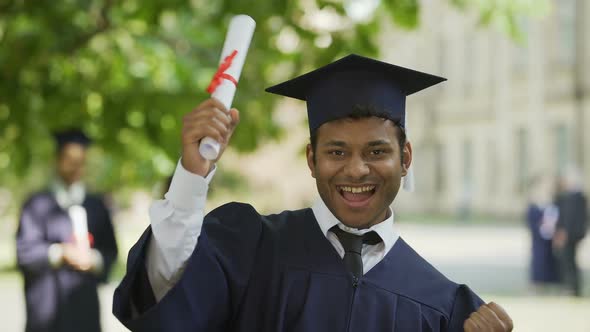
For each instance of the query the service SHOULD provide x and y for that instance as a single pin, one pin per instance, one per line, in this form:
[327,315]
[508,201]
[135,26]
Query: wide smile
[356,196]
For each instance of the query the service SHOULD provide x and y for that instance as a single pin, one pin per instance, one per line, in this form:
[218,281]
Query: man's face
[70,163]
[357,168]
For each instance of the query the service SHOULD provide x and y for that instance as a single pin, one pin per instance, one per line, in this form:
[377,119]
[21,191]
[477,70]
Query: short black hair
[362,112]
[70,135]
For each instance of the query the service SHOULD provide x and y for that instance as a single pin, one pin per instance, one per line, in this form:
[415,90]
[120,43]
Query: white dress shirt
[371,254]
[177,220]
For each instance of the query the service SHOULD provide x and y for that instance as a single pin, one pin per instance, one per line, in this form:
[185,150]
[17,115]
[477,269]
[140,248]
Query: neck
[376,221]
[66,184]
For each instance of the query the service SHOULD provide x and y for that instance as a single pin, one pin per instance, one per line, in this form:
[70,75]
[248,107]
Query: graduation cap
[72,135]
[333,91]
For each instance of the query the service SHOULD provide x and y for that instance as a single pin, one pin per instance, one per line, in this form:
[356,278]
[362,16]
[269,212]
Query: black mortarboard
[72,135]
[332,91]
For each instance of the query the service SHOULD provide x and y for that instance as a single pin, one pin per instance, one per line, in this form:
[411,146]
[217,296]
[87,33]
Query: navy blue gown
[279,273]
[61,300]
[543,267]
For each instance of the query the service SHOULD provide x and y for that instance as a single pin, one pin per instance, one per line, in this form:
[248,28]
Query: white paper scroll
[238,38]
[80,225]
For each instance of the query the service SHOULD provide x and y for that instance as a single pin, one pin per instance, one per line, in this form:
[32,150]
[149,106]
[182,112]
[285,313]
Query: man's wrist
[200,169]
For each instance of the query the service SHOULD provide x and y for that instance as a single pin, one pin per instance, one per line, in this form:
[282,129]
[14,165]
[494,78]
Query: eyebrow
[343,144]
[378,142]
[335,143]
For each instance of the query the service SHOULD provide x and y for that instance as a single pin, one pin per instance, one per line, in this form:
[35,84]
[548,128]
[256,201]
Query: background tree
[126,71]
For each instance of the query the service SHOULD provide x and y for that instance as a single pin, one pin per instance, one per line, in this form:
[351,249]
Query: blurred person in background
[65,246]
[571,228]
[541,217]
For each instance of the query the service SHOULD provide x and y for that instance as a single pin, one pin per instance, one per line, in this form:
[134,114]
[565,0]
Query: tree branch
[103,23]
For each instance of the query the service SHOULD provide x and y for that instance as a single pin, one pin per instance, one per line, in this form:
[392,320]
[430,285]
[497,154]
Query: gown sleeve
[466,302]
[31,246]
[210,289]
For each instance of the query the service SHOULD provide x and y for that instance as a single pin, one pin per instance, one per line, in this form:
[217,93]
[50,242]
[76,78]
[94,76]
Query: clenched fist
[209,119]
[489,318]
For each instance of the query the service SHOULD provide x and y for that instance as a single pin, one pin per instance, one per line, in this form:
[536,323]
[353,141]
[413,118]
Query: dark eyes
[336,153]
[376,152]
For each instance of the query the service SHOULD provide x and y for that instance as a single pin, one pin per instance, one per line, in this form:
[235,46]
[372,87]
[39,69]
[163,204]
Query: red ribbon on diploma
[220,75]
[90,239]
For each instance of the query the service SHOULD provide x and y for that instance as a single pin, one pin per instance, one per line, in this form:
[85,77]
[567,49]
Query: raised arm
[176,221]
[157,261]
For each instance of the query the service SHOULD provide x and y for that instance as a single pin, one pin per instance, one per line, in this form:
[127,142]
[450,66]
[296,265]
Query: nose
[357,167]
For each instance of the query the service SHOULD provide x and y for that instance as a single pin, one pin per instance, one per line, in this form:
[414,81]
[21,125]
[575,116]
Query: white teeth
[357,190]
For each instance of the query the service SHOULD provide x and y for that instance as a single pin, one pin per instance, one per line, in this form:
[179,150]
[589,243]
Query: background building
[511,109]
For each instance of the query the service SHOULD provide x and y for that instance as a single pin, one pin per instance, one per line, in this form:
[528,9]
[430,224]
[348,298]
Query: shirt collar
[326,220]
[68,196]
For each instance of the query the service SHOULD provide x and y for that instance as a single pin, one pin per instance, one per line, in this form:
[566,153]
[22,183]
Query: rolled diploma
[238,37]
[80,225]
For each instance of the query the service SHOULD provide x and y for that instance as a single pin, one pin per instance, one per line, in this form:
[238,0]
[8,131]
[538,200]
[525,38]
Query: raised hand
[209,119]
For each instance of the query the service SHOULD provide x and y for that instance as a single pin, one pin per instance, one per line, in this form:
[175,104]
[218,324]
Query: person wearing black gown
[571,227]
[541,217]
[337,266]
[65,246]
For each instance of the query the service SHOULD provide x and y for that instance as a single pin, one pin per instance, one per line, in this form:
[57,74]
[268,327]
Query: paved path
[492,260]
[488,258]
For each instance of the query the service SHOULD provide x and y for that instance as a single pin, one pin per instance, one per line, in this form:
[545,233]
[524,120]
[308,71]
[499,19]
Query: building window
[520,52]
[439,176]
[444,56]
[467,166]
[522,157]
[467,190]
[566,31]
[470,57]
[492,170]
[562,147]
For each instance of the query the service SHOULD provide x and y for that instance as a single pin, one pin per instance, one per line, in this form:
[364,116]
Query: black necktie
[353,245]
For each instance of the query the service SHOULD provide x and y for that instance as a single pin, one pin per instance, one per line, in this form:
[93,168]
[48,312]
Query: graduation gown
[544,267]
[279,273]
[61,300]
[573,215]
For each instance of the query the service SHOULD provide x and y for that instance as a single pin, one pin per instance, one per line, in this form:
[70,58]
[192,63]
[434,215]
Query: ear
[310,162]
[407,158]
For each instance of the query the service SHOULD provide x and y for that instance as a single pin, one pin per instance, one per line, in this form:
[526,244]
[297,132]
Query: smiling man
[338,266]
[356,164]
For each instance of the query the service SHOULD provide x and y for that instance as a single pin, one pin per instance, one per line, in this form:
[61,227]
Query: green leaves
[506,15]
[404,12]
[126,72]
